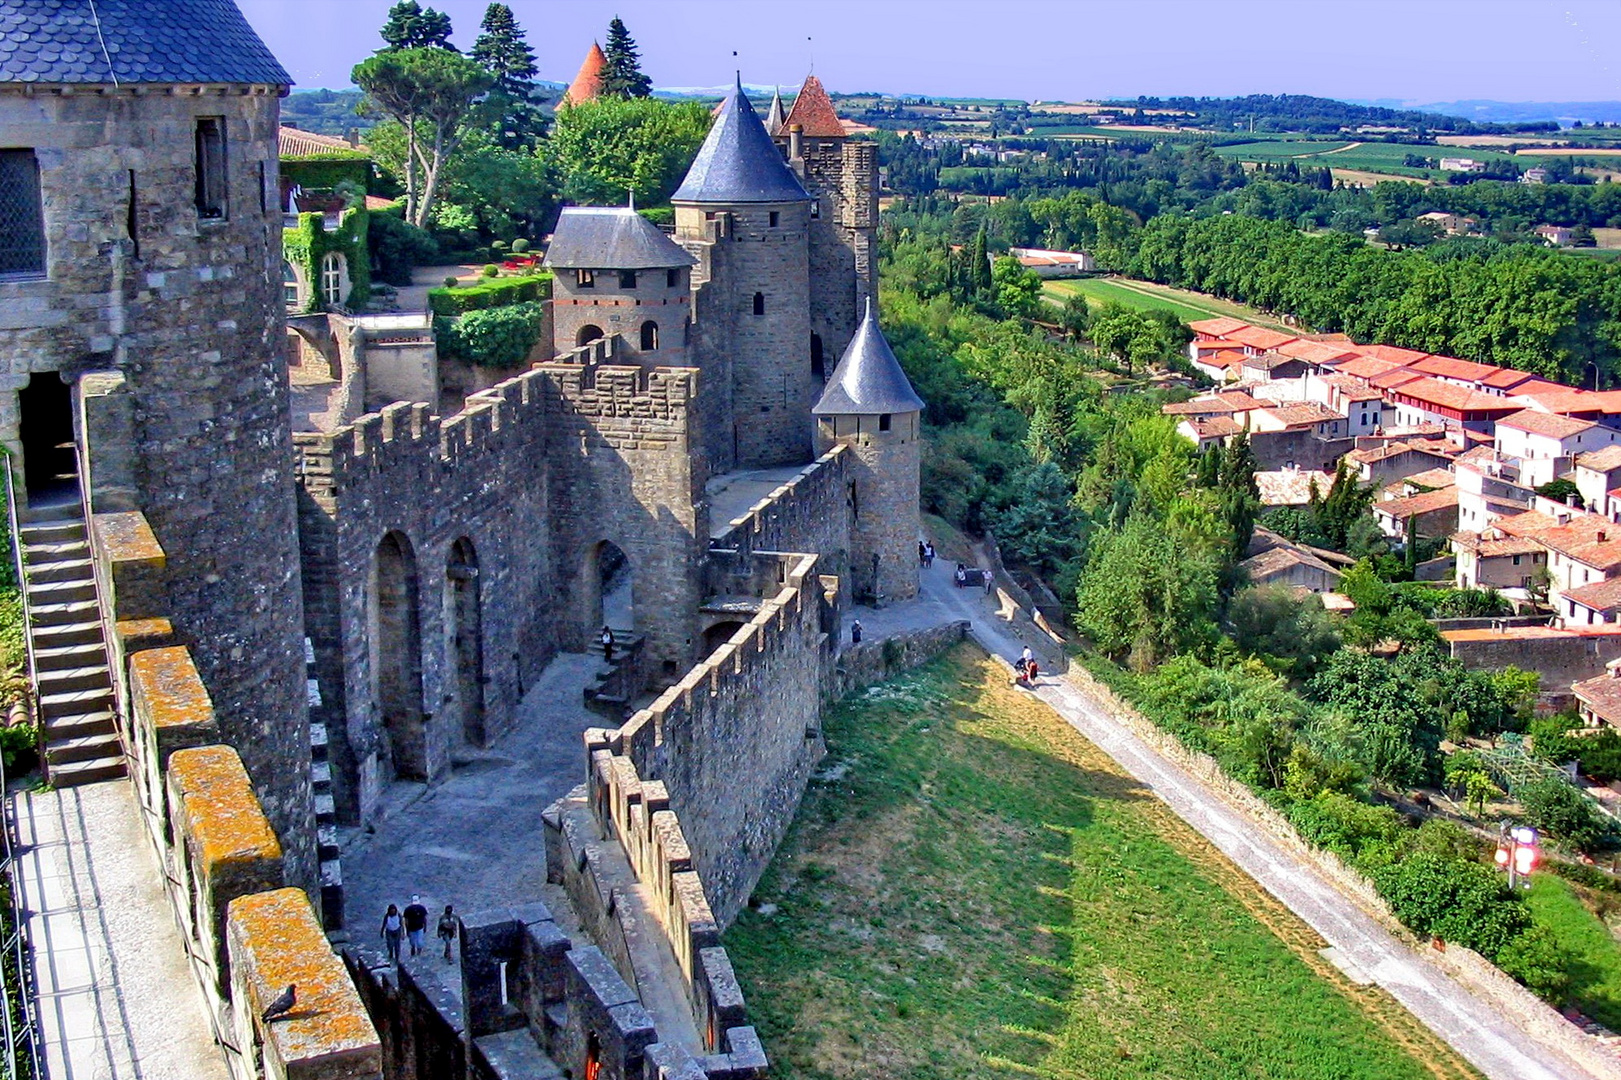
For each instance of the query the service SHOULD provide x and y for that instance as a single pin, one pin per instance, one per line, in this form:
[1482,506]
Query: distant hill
[1301,112]
[326,112]
[1513,112]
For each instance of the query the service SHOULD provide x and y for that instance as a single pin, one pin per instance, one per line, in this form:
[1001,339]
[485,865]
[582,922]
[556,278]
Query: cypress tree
[622,75]
[412,26]
[979,265]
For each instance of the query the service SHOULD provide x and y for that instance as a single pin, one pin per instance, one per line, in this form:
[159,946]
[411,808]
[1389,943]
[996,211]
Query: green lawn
[971,889]
[1381,157]
[1595,968]
[1188,306]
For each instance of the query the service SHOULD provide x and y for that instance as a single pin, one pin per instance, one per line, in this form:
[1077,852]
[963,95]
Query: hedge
[497,292]
[497,337]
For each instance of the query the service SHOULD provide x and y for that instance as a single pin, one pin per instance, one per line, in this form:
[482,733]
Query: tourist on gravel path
[416,923]
[855,632]
[393,928]
[447,929]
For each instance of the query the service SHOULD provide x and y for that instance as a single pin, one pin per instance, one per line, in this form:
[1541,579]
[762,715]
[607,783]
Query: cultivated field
[1188,306]
[971,889]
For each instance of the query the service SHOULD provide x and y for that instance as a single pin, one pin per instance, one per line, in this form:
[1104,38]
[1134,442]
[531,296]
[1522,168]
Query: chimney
[796,136]
[1603,536]
[1570,500]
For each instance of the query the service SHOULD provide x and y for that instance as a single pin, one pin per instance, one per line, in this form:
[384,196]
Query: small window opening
[210,167]
[650,335]
[759,303]
[132,225]
[883,422]
[264,194]
[818,365]
[774,217]
[22,216]
[332,278]
[816,208]
[627,279]
[672,279]
[585,279]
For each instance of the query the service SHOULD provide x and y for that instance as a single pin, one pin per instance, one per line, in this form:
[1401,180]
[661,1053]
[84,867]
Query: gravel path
[1488,1039]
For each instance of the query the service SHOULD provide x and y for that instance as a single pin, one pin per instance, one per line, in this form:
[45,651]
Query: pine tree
[622,75]
[502,51]
[412,26]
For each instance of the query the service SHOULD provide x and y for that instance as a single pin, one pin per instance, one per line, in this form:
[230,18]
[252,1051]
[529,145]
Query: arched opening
[464,626]
[292,289]
[587,334]
[650,335]
[397,656]
[818,368]
[759,303]
[334,276]
[720,634]
[50,472]
[609,588]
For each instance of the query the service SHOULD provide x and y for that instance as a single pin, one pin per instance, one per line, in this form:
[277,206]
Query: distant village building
[1598,701]
[587,84]
[1053,264]
[1554,235]
[1462,164]
[1534,176]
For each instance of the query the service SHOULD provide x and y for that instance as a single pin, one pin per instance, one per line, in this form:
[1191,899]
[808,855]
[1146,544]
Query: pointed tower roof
[813,111]
[587,85]
[773,119]
[738,162]
[868,380]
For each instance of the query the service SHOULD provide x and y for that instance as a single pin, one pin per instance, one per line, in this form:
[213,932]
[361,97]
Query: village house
[1582,548]
[1592,605]
[1462,164]
[1427,514]
[1553,235]
[1537,175]
[1544,444]
[1598,701]
[1597,473]
[1383,462]
[1495,560]
[1053,264]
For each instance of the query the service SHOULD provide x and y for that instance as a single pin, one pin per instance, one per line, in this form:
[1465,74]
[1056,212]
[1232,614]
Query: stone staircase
[71,674]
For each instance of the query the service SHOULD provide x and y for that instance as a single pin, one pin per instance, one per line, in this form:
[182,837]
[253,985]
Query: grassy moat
[972,889]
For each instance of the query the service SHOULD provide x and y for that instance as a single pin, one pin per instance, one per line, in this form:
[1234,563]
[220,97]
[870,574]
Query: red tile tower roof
[587,85]
[813,112]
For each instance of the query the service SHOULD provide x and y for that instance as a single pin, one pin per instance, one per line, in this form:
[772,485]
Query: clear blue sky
[1412,50]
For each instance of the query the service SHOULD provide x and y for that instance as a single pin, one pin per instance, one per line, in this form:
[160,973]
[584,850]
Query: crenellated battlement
[793,515]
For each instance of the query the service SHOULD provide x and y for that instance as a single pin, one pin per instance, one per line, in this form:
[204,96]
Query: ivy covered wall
[307,243]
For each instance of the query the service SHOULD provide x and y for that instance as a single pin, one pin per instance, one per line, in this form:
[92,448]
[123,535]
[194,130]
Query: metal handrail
[22,581]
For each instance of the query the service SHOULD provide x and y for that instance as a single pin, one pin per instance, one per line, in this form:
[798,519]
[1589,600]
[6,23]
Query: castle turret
[143,245]
[616,273]
[774,119]
[587,84]
[841,175]
[746,216]
[870,407]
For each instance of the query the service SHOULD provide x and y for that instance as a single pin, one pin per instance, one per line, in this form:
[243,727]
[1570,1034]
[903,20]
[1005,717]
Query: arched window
[289,287]
[759,303]
[587,333]
[332,274]
[650,335]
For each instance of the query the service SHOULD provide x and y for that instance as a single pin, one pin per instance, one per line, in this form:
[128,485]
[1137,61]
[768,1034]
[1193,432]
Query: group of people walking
[925,554]
[410,927]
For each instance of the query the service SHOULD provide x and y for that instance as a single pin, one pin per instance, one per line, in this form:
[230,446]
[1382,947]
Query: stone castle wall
[189,311]
[843,177]
[885,517]
[809,512]
[609,308]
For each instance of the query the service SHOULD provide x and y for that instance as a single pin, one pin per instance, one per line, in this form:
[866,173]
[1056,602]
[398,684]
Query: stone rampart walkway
[116,996]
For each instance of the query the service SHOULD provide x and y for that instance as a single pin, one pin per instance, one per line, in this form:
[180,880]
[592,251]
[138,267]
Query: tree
[412,26]
[1562,812]
[429,92]
[979,265]
[1018,291]
[1037,529]
[1076,316]
[603,149]
[1140,595]
[503,51]
[622,74]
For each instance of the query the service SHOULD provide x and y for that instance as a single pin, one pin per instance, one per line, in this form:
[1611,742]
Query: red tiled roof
[1366,367]
[813,112]
[1315,352]
[1391,352]
[1604,461]
[1587,538]
[1425,502]
[1548,424]
[1217,327]
[1494,546]
[1448,367]
[1450,396]
[587,85]
[1601,694]
[1216,427]
[1393,378]
[1304,412]
[1506,378]
[1257,338]
[295,142]
[1352,389]
[1602,596]
[1230,401]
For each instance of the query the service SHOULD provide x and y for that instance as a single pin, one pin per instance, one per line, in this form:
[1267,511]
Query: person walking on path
[393,929]
[447,929]
[416,924]
[928,556]
[989,581]
[855,632]
[607,643]
[922,553]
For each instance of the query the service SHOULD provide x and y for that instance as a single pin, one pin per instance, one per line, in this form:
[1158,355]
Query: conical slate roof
[738,162]
[611,238]
[587,84]
[868,380]
[813,112]
[773,119]
[132,41]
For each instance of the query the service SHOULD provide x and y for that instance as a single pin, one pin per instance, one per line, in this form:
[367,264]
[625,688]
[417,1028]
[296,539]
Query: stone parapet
[169,710]
[276,941]
[798,515]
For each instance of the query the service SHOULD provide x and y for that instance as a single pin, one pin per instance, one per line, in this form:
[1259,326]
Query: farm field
[1188,306]
[971,888]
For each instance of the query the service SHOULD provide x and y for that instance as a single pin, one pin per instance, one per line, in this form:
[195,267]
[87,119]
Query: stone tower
[870,407]
[138,200]
[746,217]
[842,178]
[616,273]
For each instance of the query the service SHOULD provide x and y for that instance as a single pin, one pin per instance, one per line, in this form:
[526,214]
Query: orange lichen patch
[128,538]
[221,814]
[166,682]
[137,634]
[276,941]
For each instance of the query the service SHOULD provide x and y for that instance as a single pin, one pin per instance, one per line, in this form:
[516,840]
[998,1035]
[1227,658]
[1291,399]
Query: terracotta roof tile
[1392,353]
[1449,367]
[1218,326]
[1547,424]
[1605,460]
[1425,502]
[1258,338]
[587,85]
[294,143]
[1602,596]
[813,112]
[1602,695]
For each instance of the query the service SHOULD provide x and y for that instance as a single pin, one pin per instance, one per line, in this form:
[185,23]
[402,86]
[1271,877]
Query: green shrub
[1347,827]
[491,270]
[1564,813]
[1460,901]
[19,748]
[1533,957]
[490,293]
[396,247]
[450,281]
[520,245]
[498,245]
[495,337]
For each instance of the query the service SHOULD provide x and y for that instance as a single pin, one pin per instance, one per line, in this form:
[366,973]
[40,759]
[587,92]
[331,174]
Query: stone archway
[587,334]
[720,634]
[397,656]
[464,640]
[50,469]
[609,591]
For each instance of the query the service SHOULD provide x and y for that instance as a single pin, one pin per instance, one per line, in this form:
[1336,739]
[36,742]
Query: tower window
[759,303]
[210,167]
[22,218]
[332,268]
[650,335]
[818,365]
[672,279]
[585,279]
[816,208]
[132,224]
[774,216]
[883,422]
[627,279]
